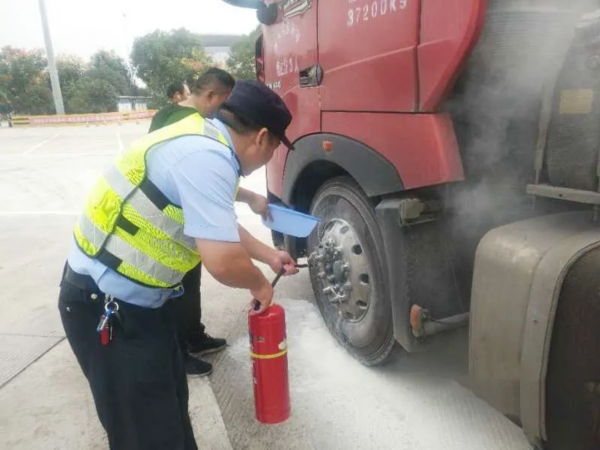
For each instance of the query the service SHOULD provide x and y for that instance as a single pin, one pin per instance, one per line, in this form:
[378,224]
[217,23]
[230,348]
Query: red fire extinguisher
[268,349]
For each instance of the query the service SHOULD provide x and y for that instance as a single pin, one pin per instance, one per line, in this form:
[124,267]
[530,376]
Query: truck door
[291,60]
[367,49]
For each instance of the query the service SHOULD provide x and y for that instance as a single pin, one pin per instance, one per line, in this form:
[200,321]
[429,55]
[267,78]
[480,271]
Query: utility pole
[56,92]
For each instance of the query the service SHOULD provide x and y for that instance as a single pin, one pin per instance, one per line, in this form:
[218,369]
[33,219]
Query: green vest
[130,226]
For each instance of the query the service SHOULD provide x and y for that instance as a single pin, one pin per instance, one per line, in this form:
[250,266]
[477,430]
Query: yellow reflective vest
[130,226]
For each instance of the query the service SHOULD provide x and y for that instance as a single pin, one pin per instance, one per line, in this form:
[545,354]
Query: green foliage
[115,79]
[110,60]
[140,92]
[159,58]
[22,80]
[241,59]
[112,68]
[86,87]
[36,99]
[92,95]
[105,78]
[70,69]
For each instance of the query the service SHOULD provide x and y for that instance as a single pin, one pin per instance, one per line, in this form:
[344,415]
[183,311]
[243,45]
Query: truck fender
[546,292]
[518,283]
[374,173]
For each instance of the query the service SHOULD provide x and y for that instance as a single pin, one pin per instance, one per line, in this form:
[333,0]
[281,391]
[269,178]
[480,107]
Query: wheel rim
[343,270]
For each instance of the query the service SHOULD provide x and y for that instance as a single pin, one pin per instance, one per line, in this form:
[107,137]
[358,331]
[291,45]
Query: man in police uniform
[209,92]
[162,207]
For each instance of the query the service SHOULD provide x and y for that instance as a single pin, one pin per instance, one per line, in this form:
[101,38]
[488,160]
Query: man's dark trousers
[138,380]
[188,309]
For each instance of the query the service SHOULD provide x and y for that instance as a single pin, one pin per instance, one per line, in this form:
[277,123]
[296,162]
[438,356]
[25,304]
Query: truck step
[563,193]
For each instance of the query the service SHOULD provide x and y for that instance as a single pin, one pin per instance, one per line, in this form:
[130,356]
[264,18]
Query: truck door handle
[311,76]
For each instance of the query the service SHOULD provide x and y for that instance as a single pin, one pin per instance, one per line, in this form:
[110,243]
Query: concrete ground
[414,402]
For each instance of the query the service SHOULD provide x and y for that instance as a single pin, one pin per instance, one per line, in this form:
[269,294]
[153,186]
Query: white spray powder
[350,406]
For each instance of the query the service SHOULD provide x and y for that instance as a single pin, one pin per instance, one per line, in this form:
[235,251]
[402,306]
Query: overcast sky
[83,26]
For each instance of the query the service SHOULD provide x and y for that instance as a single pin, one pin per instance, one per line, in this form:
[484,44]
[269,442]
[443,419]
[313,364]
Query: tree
[70,69]
[37,99]
[109,66]
[86,87]
[92,95]
[241,58]
[109,59]
[159,58]
[115,79]
[22,81]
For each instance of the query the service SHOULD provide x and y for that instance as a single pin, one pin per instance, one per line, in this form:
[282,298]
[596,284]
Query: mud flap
[419,271]
[519,274]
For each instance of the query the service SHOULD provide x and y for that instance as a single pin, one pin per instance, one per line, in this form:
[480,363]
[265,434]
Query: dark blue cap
[253,100]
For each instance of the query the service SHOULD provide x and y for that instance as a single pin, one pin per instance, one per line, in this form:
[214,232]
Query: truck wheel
[348,271]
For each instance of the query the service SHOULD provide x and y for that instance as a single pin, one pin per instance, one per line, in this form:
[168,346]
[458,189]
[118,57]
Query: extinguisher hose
[276,279]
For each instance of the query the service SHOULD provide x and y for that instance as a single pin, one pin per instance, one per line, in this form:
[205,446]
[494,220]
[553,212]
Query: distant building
[218,47]
[129,103]
[219,55]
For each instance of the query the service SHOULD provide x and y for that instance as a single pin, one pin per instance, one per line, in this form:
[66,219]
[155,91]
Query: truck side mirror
[267,15]
[252,4]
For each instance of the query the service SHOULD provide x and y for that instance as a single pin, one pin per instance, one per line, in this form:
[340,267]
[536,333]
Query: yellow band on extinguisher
[271,356]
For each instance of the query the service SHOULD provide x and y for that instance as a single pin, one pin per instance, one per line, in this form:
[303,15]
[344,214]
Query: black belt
[84,282]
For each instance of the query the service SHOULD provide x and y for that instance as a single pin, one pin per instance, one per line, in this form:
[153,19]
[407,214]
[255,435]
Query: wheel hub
[343,270]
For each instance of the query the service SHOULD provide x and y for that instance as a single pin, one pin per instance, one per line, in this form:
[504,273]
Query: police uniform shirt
[200,175]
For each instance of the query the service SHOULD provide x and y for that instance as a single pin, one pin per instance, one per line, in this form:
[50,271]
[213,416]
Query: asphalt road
[414,402]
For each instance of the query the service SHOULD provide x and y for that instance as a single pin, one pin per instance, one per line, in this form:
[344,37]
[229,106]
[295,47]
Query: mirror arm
[253,4]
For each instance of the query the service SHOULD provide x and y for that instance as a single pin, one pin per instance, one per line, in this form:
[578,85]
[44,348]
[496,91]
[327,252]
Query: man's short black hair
[174,88]
[214,77]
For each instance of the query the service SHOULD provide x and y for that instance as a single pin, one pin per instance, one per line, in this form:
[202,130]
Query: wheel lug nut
[341,299]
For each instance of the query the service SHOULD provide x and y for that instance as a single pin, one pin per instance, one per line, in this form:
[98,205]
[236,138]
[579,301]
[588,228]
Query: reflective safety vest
[132,227]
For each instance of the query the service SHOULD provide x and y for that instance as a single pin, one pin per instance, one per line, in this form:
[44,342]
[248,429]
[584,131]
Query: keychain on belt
[105,327]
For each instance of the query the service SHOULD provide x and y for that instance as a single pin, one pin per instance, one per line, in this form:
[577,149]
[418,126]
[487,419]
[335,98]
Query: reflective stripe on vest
[130,226]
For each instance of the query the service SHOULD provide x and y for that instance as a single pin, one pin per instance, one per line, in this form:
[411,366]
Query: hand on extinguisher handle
[255,305]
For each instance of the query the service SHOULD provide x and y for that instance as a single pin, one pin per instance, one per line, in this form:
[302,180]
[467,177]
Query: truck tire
[348,271]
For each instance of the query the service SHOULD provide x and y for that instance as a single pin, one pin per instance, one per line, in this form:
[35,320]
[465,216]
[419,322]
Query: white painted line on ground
[207,422]
[120,141]
[39,213]
[35,147]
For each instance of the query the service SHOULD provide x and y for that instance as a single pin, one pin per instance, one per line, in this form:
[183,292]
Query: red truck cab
[370,88]
[451,149]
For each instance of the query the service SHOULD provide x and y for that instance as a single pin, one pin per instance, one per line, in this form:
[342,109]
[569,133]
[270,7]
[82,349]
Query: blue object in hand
[290,222]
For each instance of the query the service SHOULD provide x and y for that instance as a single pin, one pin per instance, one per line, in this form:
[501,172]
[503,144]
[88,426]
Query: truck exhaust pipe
[424,325]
